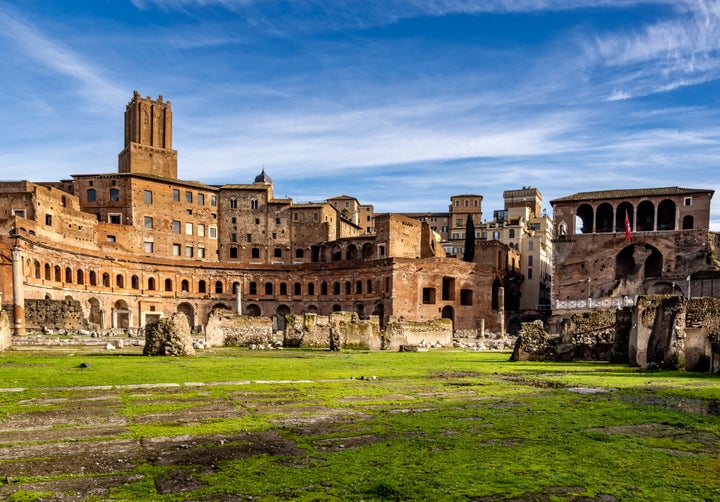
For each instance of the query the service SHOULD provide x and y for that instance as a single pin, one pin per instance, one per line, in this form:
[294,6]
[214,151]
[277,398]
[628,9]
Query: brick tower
[148,138]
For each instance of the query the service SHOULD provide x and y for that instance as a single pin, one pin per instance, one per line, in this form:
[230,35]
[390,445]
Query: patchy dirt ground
[78,444]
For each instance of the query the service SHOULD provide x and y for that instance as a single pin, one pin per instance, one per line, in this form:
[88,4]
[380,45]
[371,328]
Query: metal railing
[595,303]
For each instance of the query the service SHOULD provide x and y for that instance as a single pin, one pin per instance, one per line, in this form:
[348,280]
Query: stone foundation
[54,315]
[227,329]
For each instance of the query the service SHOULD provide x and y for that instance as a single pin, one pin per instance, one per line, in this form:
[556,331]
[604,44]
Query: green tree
[469,254]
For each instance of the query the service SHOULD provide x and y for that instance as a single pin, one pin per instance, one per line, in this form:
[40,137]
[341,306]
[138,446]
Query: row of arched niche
[646,217]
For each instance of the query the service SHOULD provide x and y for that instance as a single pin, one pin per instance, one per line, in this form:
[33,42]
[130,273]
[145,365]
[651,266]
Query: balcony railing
[595,303]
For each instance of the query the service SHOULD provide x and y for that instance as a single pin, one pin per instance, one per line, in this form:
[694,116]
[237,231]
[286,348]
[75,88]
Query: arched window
[311,288]
[48,272]
[297,288]
[348,288]
[106,280]
[36,267]
[268,288]
[114,195]
[91,195]
[80,277]
[645,217]
[604,218]
[185,286]
[68,275]
[666,215]
[369,286]
[336,288]
[323,288]
[233,203]
[58,277]
[688,223]
[202,287]
[253,204]
[283,288]
[584,219]
[134,282]
[253,288]
[168,285]
[151,284]
[358,287]
[218,287]
[93,278]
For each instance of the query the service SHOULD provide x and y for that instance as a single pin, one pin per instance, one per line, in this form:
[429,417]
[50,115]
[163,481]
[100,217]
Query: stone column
[481,329]
[238,299]
[501,310]
[18,292]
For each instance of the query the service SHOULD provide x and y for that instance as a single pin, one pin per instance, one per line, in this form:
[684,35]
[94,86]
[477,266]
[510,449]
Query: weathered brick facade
[138,245]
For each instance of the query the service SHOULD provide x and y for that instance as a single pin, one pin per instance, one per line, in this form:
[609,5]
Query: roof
[630,193]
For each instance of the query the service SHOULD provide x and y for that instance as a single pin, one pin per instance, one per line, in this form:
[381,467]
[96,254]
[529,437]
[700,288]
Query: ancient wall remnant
[5,331]
[437,332]
[54,315]
[169,336]
[227,329]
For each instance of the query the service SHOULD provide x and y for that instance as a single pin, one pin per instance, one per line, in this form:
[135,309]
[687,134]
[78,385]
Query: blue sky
[398,103]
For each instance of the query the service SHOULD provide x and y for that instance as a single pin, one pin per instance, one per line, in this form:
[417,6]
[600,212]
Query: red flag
[627,226]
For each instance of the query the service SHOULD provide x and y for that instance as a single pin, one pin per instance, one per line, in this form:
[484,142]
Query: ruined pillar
[481,329]
[501,310]
[238,299]
[18,293]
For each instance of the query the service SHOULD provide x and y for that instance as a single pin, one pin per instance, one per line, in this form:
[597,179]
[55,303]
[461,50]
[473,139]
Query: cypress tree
[469,254]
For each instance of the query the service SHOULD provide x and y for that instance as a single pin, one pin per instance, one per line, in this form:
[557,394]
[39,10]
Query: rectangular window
[189,251]
[213,200]
[19,213]
[176,227]
[201,199]
[274,235]
[233,237]
[511,233]
[448,288]
[466,297]
[148,247]
[147,196]
[496,235]
[531,245]
[111,238]
[444,228]
[188,228]
[248,237]
[530,274]
[176,195]
[458,222]
[148,222]
[315,216]
[201,252]
[201,230]
[296,216]
[277,221]
[530,260]
[212,232]
[688,201]
[176,249]
[115,218]
[188,197]
[48,219]
[428,295]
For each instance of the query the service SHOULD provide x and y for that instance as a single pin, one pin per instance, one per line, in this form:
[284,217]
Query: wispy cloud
[52,54]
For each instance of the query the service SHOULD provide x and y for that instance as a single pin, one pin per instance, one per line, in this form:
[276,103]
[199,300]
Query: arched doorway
[584,219]
[448,313]
[253,310]
[121,315]
[496,285]
[96,315]
[282,311]
[189,312]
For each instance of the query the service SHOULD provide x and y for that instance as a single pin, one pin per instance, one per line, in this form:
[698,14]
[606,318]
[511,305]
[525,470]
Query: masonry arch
[337,307]
[188,311]
[448,313]
[96,314]
[379,310]
[666,215]
[93,278]
[58,276]
[80,279]
[367,251]
[48,272]
[312,309]
[359,308]
[282,311]
[168,284]
[584,219]
[122,317]
[106,280]
[645,217]
[335,253]
[120,281]
[202,286]
[688,222]
[624,208]
[604,218]
[185,286]
[68,275]
[351,252]
[253,310]
[641,261]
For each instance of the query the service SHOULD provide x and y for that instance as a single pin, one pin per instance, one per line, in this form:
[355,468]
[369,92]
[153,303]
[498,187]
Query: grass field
[232,424]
